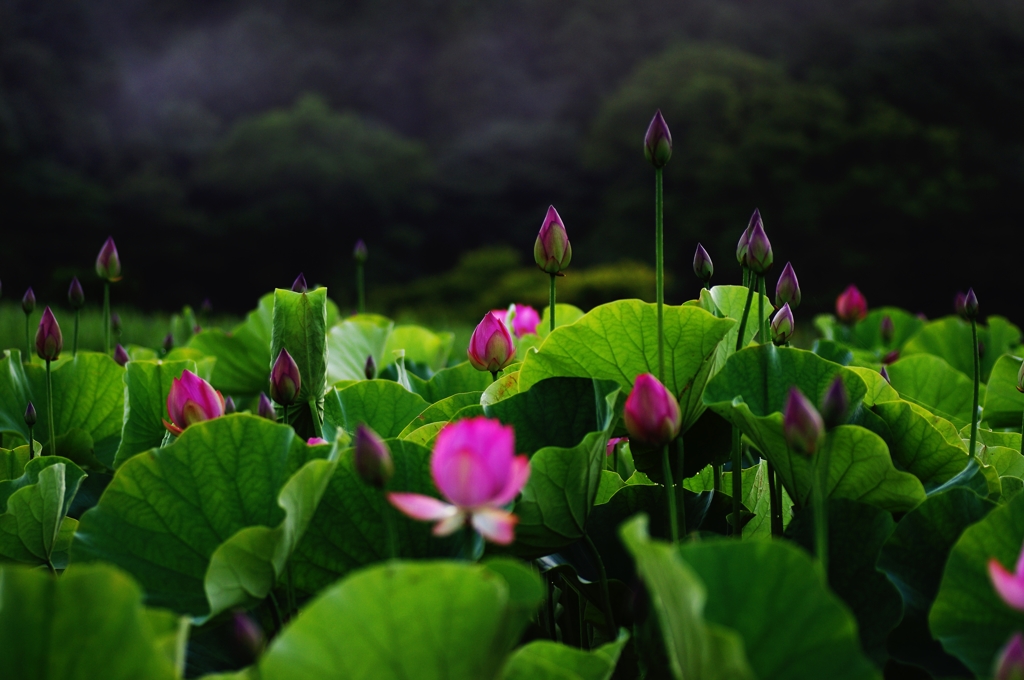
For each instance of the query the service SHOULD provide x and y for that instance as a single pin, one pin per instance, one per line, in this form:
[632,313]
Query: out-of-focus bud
[1010,662]
[76,296]
[658,141]
[30,415]
[525,320]
[49,341]
[168,343]
[371,457]
[115,323]
[229,405]
[959,300]
[888,329]
[891,357]
[490,347]
[316,441]
[108,263]
[266,409]
[743,245]
[121,356]
[702,265]
[851,305]
[359,252]
[28,301]
[285,380]
[801,423]
[885,374]
[299,284]
[370,369]
[248,636]
[787,290]
[970,305]
[651,413]
[835,403]
[206,307]
[783,325]
[759,250]
[552,251]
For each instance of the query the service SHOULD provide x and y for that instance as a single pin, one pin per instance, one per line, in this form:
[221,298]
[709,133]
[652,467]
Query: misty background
[229,145]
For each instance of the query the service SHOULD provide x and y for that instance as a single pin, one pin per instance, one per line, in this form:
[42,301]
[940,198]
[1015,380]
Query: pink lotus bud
[28,301]
[891,357]
[1010,587]
[248,636]
[30,415]
[651,413]
[285,380]
[76,296]
[121,356]
[885,374]
[1010,662]
[526,321]
[229,405]
[190,401]
[370,369]
[49,341]
[613,443]
[783,325]
[658,141]
[316,441]
[887,329]
[359,253]
[108,264]
[835,403]
[851,306]
[490,347]
[266,409]
[801,423]
[743,245]
[702,265]
[787,290]
[970,305]
[299,284]
[371,457]
[475,468]
[552,251]
[759,250]
[168,343]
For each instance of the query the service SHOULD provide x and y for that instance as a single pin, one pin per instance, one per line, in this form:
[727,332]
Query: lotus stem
[716,471]
[361,286]
[28,339]
[774,502]
[670,495]
[106,317]
[746,313]
[551,305]
[49,411]
[606,600]
[31,448]
[681,496]
[737,481]
[820,512]
[74,345]
[763,329]
[550,608]
[977,382]
[659,256]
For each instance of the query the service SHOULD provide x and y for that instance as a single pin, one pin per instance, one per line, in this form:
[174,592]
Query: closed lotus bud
[168,343]
[372,458]
[30,415]
[787,290]
[108,264]
[885,374]
[702,265]
[248,636]
[49,341]
[1009,663]
[121,356]
[28,301]
[658,141]
[229,405]
[783,325]
[971,305]
[801,423]
[835,403]
[759,250]
[552,251]
[959,300]
[299,284]
[76,296]
[651,413]
[359,253]
[370,369]
[206,307]
[743,245]
[266,409]
[891,357]
[285,380]
[490,347]
[115,323]
[851,305]
[887,329]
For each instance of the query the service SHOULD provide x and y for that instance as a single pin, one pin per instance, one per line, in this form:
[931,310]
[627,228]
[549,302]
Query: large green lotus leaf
[146,386]
[421,345]
[300,326]
[546,660]
[791,625]
[209,515]
[993,437]
[34,508]
[696,646]
[950,339]
[867,334]
[442,411]
[930,382]
[402,620]
[968,617]
[447,382]
[1004,405]
[204,364]
[88,624]
[13,461]
[352,341]
[923,444]
[879,389]
[554,412]
[384,405]
[426,435]
[505,386]
[565,315]
[619,341]
[243,355]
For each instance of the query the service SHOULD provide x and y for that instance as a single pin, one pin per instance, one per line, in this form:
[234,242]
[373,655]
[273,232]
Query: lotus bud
[76,296]
[1020,379]
[359,253]
[372,458]
[658,141]
[783,325]
[970,305]
[490,347]
[651,413]
[891,357]
[229,405]
[299,284]
[743,246]
[835,403]
[28,301]
[885,374]
[759,250]
[206,307]
[108,264]
[552,251]
[115,323]
[959,300]
[887,329]
[121,356]
[370,369]
[702,265]
[168,343]
[266,409]
[248,636]
[851,306]
[1010,662]
[787,290]
[49,341]
[285,380]
[801,423]
[30,415]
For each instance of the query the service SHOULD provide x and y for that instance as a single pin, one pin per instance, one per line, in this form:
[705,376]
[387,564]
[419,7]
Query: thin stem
[275,611]
[737,482]
[550,608]
[606,600]
[106,317]
[31,447]
[49,410]
[670,495]
[293,606]
[820,513]
[28,339]
[716,471]
[774,501]
[977,382]
[765,335]
[659,255]
[551,305]
[743,319]
[494,376]
[361,287]
[681,497]
[74,346]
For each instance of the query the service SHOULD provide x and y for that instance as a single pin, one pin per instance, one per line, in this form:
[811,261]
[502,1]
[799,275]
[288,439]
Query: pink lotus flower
[1010,662]
[651,413]
[191,400]
[1009,586]
[316,441]
[525,319]
[491,348]
[475,467]
[851,305]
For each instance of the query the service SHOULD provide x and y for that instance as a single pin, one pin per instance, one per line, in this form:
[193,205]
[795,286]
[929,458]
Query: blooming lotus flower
[552,251]
[1010,587]
[475,468]
[121,355]
[28,301]
[190,401]
[359,252]
[787,290]
[702,265]
[266,409]
[299,284]
[285,380]
[651,413]
[76,296]
[371,457]
[801,423]
[658,141]
[887,329]
[490,347]
[49,341]
[108,264]
[316,441]
[851,305]
[614,442]
[835,403]
[1010,662]
[782,325]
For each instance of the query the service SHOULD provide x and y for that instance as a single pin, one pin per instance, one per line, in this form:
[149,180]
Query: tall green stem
[606,600]
[551,305]
[106,317]
[31,446]
[361,287]
[670,495]
[49,410]
[74,347]
[716,471]
[28,339]
[765,335]
[659,255]
[737,481]
[774,502]
[977,382]
[743,319]
[821,463]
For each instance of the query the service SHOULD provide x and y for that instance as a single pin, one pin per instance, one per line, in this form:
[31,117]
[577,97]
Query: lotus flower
[76,296]
[359,252]
[801,423]
[28,301]
[787,290]
[371,457]
[743,245]
[658,141]
[851,305]
[49,341]
[702,265]
[552,251]
[108,264]
[782,325]
[885,374]
[524,319]
[121,355]
[612,443]
[651,413]
[316,441]
[475,467]
[1010,662]
[190,401]
[1009,586]
[490,347]
[285,380]
[168,343]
